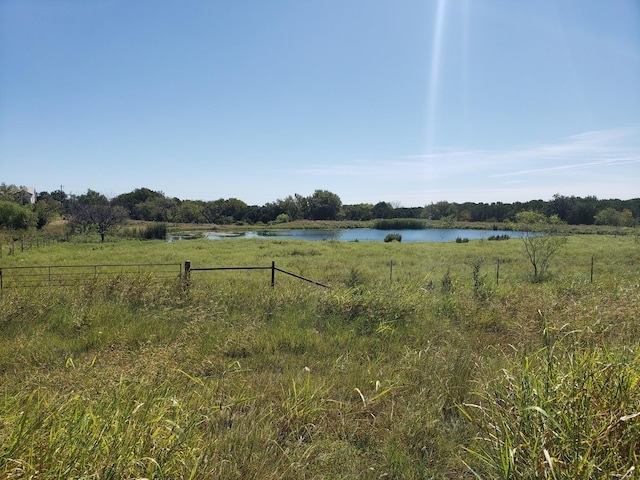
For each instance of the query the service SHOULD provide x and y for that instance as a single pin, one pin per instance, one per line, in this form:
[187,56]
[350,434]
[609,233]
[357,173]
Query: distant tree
[16,217]
[360,211]
[47,209]
[59,195]
[130,200]
[383,210]
[540,241]
[8,192]
[293,206]
[63,198]
[234,209]
[439,210]
[269,212]
[212,211]
[323,205]
[627,218]
[157,209]
[282,218]
[529,219]
[252,215]
[608,216]
[190,211]
[93,211]
[224,211]
[573,210]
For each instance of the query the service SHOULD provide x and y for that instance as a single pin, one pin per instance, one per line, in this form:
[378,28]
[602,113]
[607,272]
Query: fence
[188,269]
[29,243]
[70,275]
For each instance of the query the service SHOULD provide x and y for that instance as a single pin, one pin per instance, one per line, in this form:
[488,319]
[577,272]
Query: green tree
[323,205]
[47,209]
[130,200]
[292,206]
[360,211]
[627,218]
[383,210]
[157,209]
[17,217]
[8,192]
[190,211]
[442,209]
[609,216]
[234,209]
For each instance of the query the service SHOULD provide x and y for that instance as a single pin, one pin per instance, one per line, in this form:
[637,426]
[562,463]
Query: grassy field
[415,364]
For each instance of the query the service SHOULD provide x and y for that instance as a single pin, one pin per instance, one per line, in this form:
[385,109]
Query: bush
[393,237]
[462,240]
[499,237]
[282,218]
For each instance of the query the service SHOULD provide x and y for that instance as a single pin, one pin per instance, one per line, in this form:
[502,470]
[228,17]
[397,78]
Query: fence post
[273,273]
[592,259]
[498,272]
[187,274]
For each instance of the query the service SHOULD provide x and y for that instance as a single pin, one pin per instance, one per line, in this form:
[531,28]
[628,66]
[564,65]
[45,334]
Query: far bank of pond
[350,234]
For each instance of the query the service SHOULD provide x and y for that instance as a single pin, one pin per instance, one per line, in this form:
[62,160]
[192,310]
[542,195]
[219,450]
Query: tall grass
[437,372]
[401,224]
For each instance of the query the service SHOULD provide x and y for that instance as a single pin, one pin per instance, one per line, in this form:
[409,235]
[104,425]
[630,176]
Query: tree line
[93,210]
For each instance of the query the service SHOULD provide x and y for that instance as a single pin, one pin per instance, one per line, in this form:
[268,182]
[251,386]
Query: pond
[350,234]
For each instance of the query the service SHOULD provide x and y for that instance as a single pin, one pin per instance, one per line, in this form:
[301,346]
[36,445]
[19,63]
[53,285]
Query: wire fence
[73,275]
[27,243]
[188,269]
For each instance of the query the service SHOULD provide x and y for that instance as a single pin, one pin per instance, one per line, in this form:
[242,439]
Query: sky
[404,101]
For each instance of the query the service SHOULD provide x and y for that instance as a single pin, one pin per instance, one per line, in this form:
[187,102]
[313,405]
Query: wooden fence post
[592,260]
[498,272]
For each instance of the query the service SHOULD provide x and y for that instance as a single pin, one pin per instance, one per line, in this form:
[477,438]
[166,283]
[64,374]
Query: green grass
[430,370]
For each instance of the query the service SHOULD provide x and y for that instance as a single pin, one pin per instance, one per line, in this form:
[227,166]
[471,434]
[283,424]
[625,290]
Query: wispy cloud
[574,166]
[563,166]
[604,148]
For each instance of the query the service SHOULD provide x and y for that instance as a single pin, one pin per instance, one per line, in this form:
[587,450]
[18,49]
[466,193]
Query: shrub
[499,237]
[462,240]
[393,237]
[282,218]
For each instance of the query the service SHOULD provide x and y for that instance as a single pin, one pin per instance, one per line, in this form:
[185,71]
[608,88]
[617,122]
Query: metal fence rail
[69,275]
[188,269]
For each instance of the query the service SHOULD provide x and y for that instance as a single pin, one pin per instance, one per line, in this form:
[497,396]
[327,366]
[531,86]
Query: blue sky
[405,101]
